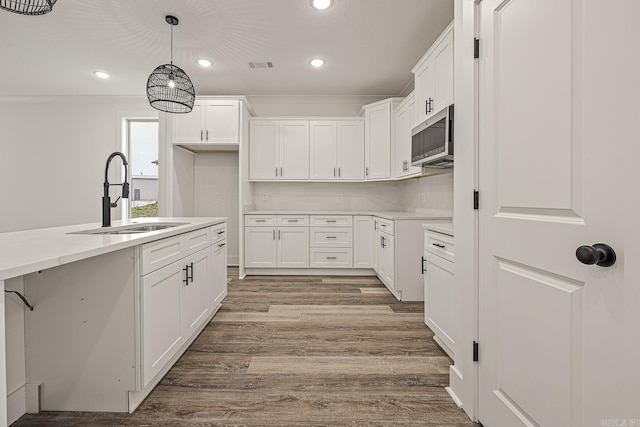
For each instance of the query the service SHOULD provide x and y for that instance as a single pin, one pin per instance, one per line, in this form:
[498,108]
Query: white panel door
[293,246]
[424,79]
[378,141]
[259,247]
[195,292]
[189,128]
[222,118]
[439,300]
[363,242]
[218,280]
[294,149]
[386,262]
[161,324]
[350,149]
[405,119]
[323,147]
[443,74]
[264,150]
[555,335]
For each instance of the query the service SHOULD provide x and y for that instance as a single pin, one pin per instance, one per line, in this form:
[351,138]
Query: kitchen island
[114,308]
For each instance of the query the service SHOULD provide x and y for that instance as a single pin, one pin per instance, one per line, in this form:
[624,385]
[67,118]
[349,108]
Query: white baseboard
[454,397]
[310,271]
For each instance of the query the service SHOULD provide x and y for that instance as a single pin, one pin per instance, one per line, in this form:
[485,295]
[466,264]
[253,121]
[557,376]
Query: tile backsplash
[426,195]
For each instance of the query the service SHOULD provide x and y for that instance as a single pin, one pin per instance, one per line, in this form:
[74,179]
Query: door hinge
[476,48]
[475,351]
[476,199]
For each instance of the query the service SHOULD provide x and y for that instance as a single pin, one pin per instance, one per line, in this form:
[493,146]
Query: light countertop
[24,252]
[442,227]
[391,215]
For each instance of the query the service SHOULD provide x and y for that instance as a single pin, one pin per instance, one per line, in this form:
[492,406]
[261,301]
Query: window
[143,167]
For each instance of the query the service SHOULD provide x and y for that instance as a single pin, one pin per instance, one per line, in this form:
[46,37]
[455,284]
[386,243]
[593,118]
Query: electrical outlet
[265,197]
[339,197]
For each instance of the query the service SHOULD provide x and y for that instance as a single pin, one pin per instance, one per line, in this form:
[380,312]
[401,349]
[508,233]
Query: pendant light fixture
[28,7]
[169,88]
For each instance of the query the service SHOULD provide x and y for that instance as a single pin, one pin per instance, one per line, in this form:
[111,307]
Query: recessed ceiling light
[317,62]
[321,4]
[204,62]
[101,74]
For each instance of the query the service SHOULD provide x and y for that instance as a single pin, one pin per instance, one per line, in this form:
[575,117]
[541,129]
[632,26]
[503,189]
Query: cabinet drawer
[260,220]
[155,255]
[331,237]
[439,244]
[331,258]
[218,232]
[331,220]
[292,220]
[385,225]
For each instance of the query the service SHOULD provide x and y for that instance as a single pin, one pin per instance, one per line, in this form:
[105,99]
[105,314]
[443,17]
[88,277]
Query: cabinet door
[350,149]
[377,249]
[218,274]
[259,247]
[378,141]
[424,82]
[405,119]
[386,263]
[293,247]
[443,74]
[294,149]
[264,149]
[189,127]
[195,292]
[161,326]
[439,300]
[363,242]
[222,119]
[323,148]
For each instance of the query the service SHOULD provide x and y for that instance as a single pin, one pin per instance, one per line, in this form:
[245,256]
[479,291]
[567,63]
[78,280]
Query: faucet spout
[106,200]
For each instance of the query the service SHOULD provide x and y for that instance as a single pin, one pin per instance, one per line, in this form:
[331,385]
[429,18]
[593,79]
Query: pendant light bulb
[171,82]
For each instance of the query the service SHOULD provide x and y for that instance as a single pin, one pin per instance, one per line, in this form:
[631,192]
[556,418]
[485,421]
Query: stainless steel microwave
[432,141]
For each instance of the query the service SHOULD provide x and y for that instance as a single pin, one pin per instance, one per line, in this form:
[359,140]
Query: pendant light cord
[171,44]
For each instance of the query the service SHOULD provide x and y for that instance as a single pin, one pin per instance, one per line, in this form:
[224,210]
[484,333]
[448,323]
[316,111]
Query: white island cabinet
[113,312]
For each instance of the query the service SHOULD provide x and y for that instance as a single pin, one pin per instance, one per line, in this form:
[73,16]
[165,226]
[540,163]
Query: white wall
[52,158]
[216,193]
[342,106]
[431,194]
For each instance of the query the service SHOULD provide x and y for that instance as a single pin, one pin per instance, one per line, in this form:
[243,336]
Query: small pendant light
[28,7]
[169,88]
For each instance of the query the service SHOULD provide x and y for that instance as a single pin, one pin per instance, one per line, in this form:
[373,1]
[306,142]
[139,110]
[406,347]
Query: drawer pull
[220,232]
[331,220]
[221,245]
[261,220]
[438,245]
[331,257]
[331,237]
[292,220]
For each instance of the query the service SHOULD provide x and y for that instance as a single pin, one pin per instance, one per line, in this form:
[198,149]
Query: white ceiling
[370,45]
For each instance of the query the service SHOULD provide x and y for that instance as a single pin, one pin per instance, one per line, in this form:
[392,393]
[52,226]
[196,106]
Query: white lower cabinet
[363,242]
[218,273]
[331,241]
[385,258]
[439,289]
[267,246]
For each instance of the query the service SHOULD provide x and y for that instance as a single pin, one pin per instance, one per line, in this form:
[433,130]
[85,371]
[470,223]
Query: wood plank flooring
[299,351]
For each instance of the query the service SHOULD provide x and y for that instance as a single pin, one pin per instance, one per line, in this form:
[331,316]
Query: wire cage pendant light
[169,88]
[28,7]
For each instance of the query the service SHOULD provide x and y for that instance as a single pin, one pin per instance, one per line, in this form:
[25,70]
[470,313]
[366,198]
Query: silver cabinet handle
[331,257]
[278,234]
[281,173]
[334,172]
[207,134]
[274,234]
[292,220]
[201,134]
[332,220]
[366,171]
[258,220]
[276,171]
[339,172]
[331,237]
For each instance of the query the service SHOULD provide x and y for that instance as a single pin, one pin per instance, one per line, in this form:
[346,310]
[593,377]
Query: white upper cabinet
[406,116]
[210,122]
[279,150]
[379,136]
[337,150]
[434,77]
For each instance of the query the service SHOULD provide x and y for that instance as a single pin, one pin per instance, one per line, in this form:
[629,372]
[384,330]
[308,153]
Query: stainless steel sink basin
[131,228]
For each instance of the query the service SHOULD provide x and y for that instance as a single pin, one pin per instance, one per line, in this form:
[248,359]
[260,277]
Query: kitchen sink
[131,228]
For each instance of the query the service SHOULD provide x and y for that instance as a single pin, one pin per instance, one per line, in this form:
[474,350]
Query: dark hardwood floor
[299,351]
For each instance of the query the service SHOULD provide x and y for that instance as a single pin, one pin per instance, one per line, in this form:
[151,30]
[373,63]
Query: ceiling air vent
[260,64]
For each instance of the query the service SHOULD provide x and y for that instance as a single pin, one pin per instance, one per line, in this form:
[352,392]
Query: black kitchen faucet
[106,201]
